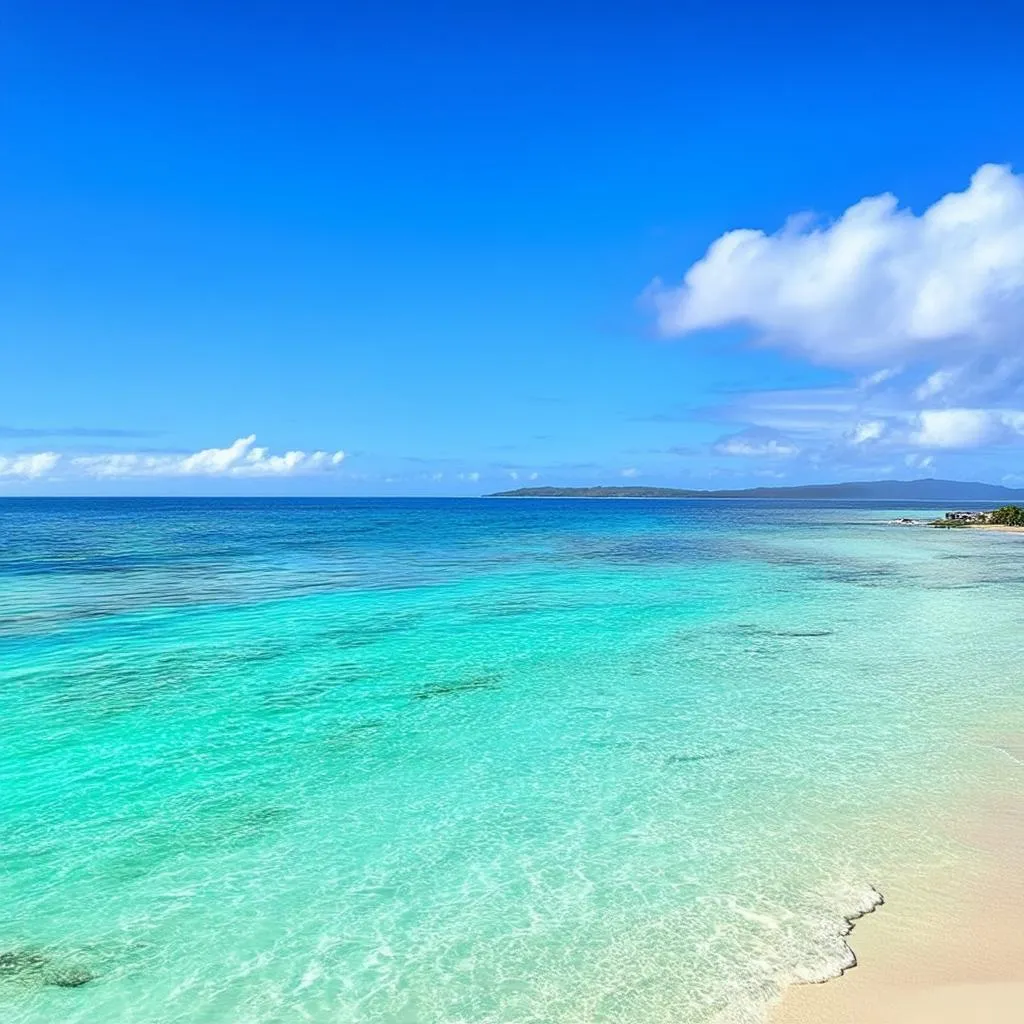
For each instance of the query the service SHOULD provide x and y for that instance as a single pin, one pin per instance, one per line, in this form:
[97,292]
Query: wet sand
[946,949]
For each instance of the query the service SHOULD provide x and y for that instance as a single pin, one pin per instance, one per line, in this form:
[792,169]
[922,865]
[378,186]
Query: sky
[449,248]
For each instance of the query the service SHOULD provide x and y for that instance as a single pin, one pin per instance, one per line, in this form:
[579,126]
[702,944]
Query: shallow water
[428,762]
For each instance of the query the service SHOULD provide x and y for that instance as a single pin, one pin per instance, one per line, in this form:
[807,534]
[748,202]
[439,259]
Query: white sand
[943,950]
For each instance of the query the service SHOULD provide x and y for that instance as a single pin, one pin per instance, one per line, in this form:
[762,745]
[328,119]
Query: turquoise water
[442,762]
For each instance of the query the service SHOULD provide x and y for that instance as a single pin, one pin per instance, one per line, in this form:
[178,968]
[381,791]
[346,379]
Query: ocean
[477,761]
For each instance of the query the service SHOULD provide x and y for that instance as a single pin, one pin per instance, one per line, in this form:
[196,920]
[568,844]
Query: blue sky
[451,242]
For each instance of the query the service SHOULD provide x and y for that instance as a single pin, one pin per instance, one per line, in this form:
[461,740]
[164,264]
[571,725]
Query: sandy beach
[946,949]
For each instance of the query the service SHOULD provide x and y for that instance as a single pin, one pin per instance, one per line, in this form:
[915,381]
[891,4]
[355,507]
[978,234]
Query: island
[926,490]
[1008,517]
[599,492]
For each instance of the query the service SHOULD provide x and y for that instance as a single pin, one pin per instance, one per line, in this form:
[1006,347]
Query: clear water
[442,762]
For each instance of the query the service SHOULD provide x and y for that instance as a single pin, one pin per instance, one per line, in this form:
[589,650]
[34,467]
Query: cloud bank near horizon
[241,459]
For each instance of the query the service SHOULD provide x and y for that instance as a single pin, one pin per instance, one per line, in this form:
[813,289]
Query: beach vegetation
[1008,515]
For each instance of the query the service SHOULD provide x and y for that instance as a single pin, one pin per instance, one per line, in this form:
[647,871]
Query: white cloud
[954,428]
[630,471]
[869,430]
[811,411]
[920,461]
[240,459]
[533,476]
[934,384]
[473,477]
[836,423]
[872,380]
[966,428]
[881,284]
[29,467]
[750,444]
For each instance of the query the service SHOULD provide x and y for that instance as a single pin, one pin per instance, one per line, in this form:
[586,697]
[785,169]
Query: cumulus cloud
[879,285]
[966,428]
[28,467]
[925,310]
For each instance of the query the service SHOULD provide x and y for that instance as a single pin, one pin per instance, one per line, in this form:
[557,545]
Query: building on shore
[968,517]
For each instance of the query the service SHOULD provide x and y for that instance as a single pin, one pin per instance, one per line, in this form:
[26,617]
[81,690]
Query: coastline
[945,948]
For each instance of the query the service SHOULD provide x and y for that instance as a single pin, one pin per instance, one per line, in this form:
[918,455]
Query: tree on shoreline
[1008,515]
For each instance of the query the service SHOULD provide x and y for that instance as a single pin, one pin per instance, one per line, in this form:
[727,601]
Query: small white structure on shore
[968,517]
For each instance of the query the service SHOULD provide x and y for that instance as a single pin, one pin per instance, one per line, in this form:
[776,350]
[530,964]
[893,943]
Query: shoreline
[943,948]
[994,527]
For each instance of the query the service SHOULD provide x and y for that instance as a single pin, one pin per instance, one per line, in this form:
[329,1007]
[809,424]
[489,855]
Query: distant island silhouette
[871,490]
